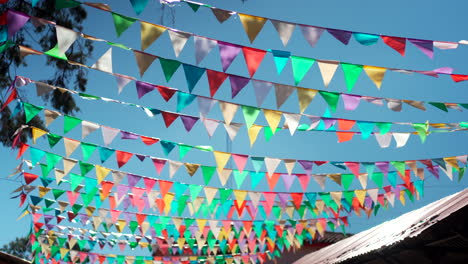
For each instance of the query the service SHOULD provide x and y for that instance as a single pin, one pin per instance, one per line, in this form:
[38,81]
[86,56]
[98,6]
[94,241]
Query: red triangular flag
[169,118]
[122,157]
[166,92]
[459,77]
[396,43]
[21,150]
[297,199]
[344,136]
[353,167]
[253,58]
[158,164]
[273,180]
[149,183]
[215,79]
[12,97]
[106,188]
[303,180]
[149,141]
[29,177]
[164,186]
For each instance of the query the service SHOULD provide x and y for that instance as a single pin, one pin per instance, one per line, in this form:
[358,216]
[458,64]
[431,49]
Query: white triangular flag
[271,164]
[122,81]
[205,105]
[284,29]
[232,129]
[173,167]
[327,69]
[65,38]
[210,126]
[178,39]
[384,140]
[105,62]
[292,121]
[373,194]
[401,139]
[229,110]
[255,198]
[108,134]
[311,34]
[203,46]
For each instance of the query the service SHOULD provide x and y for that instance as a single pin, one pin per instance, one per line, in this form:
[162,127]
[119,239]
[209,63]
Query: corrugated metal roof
[388,233]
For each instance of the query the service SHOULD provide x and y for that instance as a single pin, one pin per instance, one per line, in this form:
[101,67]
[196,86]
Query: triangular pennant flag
[366,39]
[192,75]
[240,161]
[184,100]
[284,30]
[232,129]
[65,38]
[282,93]
[87,149]
[122,22]
[30,111]
[396,43]
[426,46]
[383,140]
[342,35]
[253,133]
[331,98]
[203,46]
[50,116]
[292,121]
[351,102]
[300,66]
[104,63]
[351,72]
[327,70]
[229,110]
[189,122]
[169,67]
[221,15]
[144,60]
[70,122]
[261,90]
[401,139]
[237,84]
[167,146]
[239,177]
[70,145]
[15,21]
[88,127]
[271,164]
[139,5]
[210,125]
[215,79]
[221,159]
[164,187]
[108,134]
[253,59]
[281,59]
[273,118]
[210,193]
[143,88]
[150,33]
[252,25]
[207,173]
[169,118]
[37,133]
[191,168]
[366,128]
[311,34]
[178,39]
[54,52]
[344,136]
[122,157]
[228,53]
[305,96]
[376,74]
[240,196]
[250,114]
[224,176]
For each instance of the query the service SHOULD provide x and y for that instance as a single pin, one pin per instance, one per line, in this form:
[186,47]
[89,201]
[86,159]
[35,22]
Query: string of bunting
[253,24]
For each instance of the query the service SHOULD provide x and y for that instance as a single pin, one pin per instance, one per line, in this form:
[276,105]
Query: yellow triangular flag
[252,25]
[229,110]
[337,197]
[253,133]
[452,161]
[43,191]
[240,196]
[37,133]
[191,168]
[150,33]
[221,159]
[327,69]
[210,193]
[168,202]
[376,74]
[305,96]
[273,118]
[63,252]
[120,225]
[361,195]
[180,242]
[336,177]
[101,173]
[90,210]
[201,224]
[143,60]
[70,145]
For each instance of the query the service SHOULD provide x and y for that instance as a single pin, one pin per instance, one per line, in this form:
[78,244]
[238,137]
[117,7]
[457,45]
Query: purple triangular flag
[341,35]
[288,180]
[306,165]
[426,46]
[143,88]
[189,122]
[133,179]
[228,53]
[237,84]
[351,102]
[283,197]
[140,157]
[15,21]
[128,135]
[261,89]
[383,166]
[329,122]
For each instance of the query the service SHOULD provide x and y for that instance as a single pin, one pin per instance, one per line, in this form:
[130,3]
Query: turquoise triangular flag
[36,155]
[184,99]
[255,178]
[192,75]
[281,58]
[257,162]
[240,177]
[105,153]
[366,128]
[167,146]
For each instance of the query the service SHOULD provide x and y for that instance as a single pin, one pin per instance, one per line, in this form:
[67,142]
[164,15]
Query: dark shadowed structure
[10,259]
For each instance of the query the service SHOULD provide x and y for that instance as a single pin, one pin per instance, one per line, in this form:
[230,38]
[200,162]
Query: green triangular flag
[441,106]
[85,168]
[366,128]
[52,159]
[133,225]
[384,127]
[169,67]
[255,178]
[184,100]
[183,150]
[377,178]
[122,22]
[351,72]
[194,191]
[36,155]
[281,58]
[257,162]
[346,180]
[167,146]
[207,173]
[45,170]
[53,139]
[399,165]
[331,98]
[75,180]
[421,128]
[59,4]
[192,75]
[268,133]
[391,177]
[55,52]
[194,6]
[48,202]
[224,194]
[88,196]
[6,45]
[250,114]
[30,111]
[348,195]
[105,153]
[300,66]
[70,122]
[182,204]
[87,149]
[240,177]
[461,172]
[57,193]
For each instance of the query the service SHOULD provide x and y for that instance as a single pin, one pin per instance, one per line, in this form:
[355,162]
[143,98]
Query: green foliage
[43,37]
[19,247]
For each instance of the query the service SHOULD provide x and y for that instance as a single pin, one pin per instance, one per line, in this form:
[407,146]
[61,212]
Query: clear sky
[415,19]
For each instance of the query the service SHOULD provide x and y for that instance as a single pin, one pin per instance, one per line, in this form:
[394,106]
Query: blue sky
[433,20]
